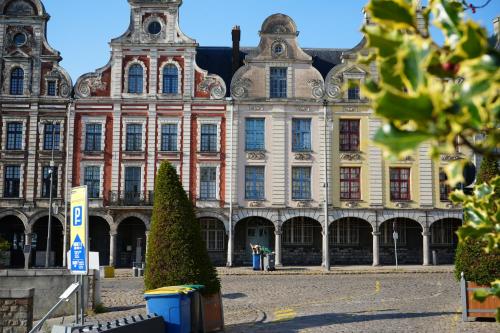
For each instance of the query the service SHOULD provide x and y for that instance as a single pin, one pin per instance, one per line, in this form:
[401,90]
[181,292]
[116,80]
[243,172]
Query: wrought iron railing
[131,198]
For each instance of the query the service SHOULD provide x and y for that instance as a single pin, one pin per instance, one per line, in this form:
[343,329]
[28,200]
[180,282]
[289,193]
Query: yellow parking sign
[79,231]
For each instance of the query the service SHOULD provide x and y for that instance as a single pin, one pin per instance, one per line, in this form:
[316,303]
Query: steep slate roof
[218,60]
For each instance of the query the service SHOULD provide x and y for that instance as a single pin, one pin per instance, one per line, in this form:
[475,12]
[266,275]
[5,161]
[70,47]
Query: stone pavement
[309,301]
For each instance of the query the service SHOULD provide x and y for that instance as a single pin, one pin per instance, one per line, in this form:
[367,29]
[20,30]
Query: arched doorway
[409,243]
[99,238]
[444,239]
[351,242]
[213,233]
[301,242]
[39,242]
[12,231]
[131,242]
[252,230]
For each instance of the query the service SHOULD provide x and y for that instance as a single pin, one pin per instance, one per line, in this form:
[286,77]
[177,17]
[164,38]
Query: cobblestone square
[410,302]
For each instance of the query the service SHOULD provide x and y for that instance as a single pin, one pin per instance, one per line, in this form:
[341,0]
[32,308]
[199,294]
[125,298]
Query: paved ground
[312,302]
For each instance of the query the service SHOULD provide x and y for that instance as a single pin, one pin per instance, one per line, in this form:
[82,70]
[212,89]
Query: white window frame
[125,165]
[93,120]
[169,121]
[86,164]
[133,120]
[217,180]
[21,180]
[5,121]
[8,72]
[179,79]
[144,78]
[209,121]
[62,134]
[290,78]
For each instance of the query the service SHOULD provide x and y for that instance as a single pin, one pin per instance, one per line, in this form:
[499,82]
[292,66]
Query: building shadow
[234,296]
[330,319]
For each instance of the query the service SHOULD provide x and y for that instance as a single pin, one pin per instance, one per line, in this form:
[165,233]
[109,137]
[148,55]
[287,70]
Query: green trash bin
[196,307]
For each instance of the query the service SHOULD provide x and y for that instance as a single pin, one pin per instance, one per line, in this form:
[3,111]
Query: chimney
[236,35]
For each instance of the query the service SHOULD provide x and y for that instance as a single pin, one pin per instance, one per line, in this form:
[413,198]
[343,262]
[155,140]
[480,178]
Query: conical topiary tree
[176,251]
[488,170]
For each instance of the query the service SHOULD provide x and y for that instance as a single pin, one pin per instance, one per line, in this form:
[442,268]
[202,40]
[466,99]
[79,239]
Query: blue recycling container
[256,261]
[174,305]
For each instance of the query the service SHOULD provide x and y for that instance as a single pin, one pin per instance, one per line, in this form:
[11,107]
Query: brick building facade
[255,133]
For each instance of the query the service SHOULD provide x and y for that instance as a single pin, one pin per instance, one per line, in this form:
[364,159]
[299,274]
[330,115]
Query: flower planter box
[472,308]
[213,313]
[4,259]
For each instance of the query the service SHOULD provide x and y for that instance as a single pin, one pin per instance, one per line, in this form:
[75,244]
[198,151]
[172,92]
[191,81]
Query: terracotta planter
[213,313]
[475,309]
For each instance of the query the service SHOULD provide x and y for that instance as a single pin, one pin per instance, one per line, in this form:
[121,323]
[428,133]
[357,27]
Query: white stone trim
[144,78]
[93,120]
[9,119]
[133,120]
[179,79]
[169,121]
[209,121]
[290,78]
[100,165]
[21,178]
[62,133]
[139,164]
[8,72]
[217,178]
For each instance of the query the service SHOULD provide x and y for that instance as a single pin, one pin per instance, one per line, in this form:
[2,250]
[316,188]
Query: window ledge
[93,152]
[134,152]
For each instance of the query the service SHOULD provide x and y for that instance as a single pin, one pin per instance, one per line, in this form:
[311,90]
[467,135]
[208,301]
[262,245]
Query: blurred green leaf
[398,14]
[397,141]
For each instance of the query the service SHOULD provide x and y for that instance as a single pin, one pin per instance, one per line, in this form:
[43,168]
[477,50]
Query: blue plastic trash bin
[256,261]
[174,305]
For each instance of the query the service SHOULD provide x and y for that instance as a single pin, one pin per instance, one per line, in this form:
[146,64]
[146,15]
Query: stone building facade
[262,138]
[35,94]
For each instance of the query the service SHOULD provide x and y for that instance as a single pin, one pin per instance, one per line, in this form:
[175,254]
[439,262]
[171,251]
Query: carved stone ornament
[334,87]
[148,21]
[279,48]
[352,204]
[90,85]
[304,108]
[351,157]
[256,155]
[303,204]
[317,87]
[452,157]
[20,8]
[402,204]
[240,87]
[214,85]
[350,109]
[256,108]
[254,204]
[13,31]
[64,89]
[303,156]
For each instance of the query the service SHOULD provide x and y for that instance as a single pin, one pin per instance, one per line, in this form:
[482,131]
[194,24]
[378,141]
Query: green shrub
[176,251]
[4,245]
[478,266]
[488,170]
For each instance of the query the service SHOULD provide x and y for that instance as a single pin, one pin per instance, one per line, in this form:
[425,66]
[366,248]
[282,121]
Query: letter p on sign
[77,216]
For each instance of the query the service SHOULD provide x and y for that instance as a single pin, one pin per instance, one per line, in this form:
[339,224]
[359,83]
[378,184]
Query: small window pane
[209,138]
[14,136]
[208,186]
[51,136]
[301,134]
[254,183]
[169,137]
[278,82]
[134,137]
[17,81]
[170,79]
[135,79]
[254,133]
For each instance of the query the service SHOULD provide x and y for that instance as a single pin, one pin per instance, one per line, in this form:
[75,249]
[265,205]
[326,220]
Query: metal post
[49,226]
[325,238]
[66,168]
[395,238]
[82,299]
[76,303]
[230,245]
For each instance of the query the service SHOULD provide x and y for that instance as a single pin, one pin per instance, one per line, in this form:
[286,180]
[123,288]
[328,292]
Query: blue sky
[82,29]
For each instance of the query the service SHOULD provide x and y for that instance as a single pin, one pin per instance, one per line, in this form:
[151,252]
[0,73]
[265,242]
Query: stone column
[426,242]
[230,247]
[277,245]
[112,248]
[27,256]
[376,246]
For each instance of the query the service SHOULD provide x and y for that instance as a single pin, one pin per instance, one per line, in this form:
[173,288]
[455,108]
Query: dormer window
[17,81]
[353,90]
[51,88]
[154,28]
[135,79]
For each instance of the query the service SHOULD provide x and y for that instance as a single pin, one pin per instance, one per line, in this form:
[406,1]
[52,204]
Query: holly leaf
[401,106]
[398,141]
[398,14]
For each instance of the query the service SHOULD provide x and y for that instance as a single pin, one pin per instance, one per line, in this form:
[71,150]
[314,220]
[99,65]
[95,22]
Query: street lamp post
[51,175]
